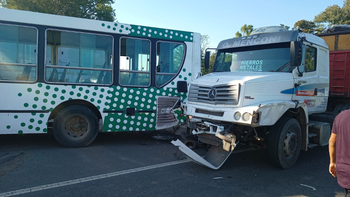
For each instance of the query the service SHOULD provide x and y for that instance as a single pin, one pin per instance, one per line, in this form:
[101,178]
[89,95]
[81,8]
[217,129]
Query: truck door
[312,87]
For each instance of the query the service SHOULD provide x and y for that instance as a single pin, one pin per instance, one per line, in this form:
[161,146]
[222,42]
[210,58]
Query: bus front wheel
[75,126]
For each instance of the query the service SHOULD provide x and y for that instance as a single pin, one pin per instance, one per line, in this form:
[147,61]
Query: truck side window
[310,59]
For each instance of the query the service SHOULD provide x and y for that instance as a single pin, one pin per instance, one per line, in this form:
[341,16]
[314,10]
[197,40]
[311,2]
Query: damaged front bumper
[219,151]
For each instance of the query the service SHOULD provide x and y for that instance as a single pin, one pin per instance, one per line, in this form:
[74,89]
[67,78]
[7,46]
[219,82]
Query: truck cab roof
[264,38]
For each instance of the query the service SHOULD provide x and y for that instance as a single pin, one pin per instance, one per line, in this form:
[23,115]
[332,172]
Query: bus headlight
[246,116]
[237,115]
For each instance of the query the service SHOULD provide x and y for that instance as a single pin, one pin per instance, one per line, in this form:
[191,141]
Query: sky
[219,19]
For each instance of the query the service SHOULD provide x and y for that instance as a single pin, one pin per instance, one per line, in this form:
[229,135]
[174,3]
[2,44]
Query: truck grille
[227,94]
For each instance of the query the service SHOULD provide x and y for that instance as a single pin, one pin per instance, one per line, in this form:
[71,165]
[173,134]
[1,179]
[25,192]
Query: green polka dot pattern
[121,98]
[161,33]
[148,32]
[46,97]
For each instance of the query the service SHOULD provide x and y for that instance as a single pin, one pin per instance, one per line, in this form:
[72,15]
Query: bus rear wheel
[75,126]
[284,143]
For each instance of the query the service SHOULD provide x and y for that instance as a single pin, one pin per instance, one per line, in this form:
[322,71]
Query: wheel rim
[290,143]
[76,127]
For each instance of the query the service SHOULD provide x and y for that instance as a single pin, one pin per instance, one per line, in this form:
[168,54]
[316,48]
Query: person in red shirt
[339,150]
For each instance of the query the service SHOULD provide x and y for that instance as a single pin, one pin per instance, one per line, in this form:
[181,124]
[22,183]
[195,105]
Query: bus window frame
[110,59]
[180,68]
[131,71]
[26,65]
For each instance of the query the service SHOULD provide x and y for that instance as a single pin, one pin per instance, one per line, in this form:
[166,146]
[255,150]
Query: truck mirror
[206,60]
[295,53]
[301,68]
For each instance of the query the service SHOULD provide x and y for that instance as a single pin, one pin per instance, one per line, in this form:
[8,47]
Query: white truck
[262,90]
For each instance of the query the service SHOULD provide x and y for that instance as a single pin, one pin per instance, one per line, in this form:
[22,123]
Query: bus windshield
[275,58]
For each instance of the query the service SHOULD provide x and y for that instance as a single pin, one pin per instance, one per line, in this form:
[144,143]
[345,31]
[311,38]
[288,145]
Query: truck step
[312,145]
[312,135]
[311,124]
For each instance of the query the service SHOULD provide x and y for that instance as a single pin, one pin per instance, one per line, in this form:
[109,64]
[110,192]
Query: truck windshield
[275,58]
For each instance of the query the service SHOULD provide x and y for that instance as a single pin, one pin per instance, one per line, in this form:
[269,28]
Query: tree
[238,35]
[246,30]
[91,9]
[335,15]
[285,26]
[306,26]
[204,42]
[211,63]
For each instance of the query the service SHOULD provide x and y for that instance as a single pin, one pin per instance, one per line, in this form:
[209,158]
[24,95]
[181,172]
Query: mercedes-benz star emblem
[212,94]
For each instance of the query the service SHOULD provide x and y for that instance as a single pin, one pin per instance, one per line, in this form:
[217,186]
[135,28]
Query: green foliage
[211,63]
[285,26]
[204,45]
[306,26]
[238,35]
[246,30]
[310,55]
[91,9]
[204,42]
[335,15]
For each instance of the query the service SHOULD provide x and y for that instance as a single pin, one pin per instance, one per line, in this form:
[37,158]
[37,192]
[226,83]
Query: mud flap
[166,117]
[214,159]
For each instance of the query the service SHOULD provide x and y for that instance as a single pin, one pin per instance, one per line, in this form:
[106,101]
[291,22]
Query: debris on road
[309,187]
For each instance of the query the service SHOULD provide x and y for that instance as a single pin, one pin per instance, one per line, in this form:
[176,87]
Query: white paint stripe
[91,178]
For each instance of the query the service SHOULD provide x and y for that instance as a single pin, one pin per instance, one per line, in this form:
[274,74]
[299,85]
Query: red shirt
[341,127]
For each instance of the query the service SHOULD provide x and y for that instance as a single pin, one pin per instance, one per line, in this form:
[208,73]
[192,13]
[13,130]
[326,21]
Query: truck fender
[271,112]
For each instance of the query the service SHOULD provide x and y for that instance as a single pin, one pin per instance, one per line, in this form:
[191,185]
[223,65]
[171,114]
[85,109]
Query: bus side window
[78,57]
[170,57]
[134,62]
[18,53]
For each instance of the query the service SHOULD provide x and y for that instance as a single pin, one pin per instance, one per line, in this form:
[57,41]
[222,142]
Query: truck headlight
[237,115]
[246,116]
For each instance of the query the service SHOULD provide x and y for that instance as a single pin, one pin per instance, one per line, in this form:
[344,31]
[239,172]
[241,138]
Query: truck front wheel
[284,142]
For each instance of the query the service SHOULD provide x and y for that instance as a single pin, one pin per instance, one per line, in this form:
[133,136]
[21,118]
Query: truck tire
[284,143]
[75,126]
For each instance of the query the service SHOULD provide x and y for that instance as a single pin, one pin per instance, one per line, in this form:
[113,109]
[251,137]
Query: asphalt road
[134,164]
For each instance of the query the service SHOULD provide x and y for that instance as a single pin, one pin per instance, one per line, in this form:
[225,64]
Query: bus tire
[284,143]
[75,126]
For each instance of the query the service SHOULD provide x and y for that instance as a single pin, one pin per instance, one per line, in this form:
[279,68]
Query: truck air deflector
[262,39]
[214,159]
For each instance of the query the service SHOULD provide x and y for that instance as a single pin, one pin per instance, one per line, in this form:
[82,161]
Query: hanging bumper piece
[217,154]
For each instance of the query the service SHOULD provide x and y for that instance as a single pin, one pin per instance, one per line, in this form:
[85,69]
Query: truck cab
[261,91]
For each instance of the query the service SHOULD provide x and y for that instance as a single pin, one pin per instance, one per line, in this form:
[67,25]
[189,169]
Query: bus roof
[28,17]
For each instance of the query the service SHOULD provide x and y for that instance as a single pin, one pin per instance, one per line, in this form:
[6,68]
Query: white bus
[74,77]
